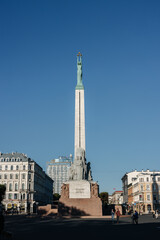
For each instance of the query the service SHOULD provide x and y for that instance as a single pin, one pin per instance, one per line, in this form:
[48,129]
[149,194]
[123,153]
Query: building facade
[126,180]
[130,194]
[117,197]
[144,192]
[27,185]
[109,199]
[58,170]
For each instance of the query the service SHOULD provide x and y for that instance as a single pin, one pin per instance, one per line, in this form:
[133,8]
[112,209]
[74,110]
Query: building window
[5,176]
[10,187]
[23,196]
[158,179]
[16,186]
[15,196]
[10,196]
[11,167]
[154,187]
[11,176]
[147,187]
[141,187]
[24,167]
[6,167]
[148,197]
[147,179]
[23,176]
[0,167]
[16,176]
[17,167]
[23,186]
[30,196]
[154,197]
[141,179]
[13,159]
[140,198]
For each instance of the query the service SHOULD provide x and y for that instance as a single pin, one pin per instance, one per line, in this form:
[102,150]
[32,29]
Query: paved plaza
[23,227]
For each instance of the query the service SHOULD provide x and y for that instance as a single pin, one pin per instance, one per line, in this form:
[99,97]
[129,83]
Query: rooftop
[14,157]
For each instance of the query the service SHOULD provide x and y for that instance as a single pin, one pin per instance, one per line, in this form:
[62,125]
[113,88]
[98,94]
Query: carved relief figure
[94,190]
[65,191]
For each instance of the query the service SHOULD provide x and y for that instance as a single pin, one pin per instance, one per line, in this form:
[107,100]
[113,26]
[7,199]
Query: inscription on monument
[79,189]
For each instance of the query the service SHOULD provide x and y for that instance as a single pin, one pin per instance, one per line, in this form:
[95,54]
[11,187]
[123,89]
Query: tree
[2,191]
[104,197]
[56,196]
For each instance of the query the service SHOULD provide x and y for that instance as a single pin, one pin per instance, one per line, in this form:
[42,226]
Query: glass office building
[58,170]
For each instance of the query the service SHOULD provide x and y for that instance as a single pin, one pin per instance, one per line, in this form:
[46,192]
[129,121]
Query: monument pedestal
[80,198]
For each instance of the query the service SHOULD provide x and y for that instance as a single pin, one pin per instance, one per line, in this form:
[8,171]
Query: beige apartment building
[143,192]
[27,185]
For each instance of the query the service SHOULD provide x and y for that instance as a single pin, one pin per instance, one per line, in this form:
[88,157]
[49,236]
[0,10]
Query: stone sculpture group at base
[80,198]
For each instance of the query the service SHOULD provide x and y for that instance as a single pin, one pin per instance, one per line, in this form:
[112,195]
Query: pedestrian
[118,214]
[112,215]
[156,214]
[126,211]
[153,213]
[135,217]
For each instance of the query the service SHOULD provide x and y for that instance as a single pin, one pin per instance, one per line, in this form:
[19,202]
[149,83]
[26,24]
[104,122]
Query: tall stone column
[79,109]
[79,195]
[79,170]
[79,121]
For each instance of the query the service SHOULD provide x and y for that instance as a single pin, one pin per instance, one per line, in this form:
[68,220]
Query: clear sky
[120,43]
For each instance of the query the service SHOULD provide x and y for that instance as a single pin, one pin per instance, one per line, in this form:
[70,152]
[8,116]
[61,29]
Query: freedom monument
[79,195]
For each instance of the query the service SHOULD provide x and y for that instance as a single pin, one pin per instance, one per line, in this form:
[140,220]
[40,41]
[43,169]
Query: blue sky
[119,40]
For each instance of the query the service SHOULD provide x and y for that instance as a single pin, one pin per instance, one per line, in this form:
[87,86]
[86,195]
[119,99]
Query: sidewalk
[93,217]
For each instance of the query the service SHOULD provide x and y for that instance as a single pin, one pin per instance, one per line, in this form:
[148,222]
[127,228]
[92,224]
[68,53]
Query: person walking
[135,217]
[112,215]
[156,214]
[118,214]
[153,214]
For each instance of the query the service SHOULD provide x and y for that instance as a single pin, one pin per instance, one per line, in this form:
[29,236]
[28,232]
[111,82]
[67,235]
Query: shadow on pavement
[47,228]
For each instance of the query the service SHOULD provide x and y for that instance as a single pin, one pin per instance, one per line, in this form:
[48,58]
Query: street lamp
[37,207]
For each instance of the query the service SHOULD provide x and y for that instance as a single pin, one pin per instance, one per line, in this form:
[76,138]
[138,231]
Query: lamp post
[37,207]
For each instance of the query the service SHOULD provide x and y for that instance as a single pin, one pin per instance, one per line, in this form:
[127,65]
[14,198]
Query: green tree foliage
[56,196]
[2,191]
[104,197]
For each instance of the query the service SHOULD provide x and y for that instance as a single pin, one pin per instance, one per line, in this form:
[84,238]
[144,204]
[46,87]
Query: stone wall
[80,207]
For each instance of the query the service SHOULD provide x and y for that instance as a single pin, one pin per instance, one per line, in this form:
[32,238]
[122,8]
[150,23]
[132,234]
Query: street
[25,227]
